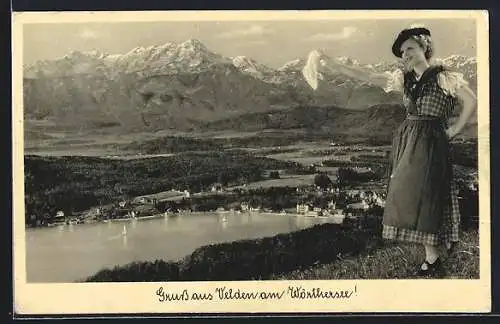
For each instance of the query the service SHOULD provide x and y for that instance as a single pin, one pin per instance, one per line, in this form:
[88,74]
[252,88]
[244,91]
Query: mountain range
[184,86]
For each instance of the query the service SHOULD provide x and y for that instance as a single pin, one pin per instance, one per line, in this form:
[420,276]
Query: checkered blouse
[438,97]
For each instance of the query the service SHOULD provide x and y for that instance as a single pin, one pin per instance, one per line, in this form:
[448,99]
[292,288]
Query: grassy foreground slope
[394,261]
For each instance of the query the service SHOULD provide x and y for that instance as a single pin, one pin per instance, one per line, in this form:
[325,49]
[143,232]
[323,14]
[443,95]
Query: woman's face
[412,53]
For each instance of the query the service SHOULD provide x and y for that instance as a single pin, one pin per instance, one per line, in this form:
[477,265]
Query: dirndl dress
[422,203]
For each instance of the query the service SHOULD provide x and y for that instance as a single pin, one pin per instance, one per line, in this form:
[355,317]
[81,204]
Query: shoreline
[169,215]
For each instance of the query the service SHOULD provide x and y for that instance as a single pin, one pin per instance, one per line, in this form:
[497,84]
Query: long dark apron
[420,175]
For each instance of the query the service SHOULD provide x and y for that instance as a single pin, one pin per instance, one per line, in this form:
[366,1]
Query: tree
[343,175]
[322,180]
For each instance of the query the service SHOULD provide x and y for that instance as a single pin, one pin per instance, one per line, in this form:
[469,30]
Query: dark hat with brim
[404,35]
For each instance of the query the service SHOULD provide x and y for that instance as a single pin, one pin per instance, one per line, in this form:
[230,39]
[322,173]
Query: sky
[269,42]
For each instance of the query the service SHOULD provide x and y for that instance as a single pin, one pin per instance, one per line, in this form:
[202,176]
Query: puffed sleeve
[451,82]
[394,81]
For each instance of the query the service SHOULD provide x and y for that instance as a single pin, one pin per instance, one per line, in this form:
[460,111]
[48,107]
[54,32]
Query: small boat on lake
[149,217]
[122,219]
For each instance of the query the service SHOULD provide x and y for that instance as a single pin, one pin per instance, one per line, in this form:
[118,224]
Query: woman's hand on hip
[451,132]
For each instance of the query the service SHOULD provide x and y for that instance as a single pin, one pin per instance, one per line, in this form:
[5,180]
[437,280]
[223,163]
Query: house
[380,202]
[60,217]
[141,200]
[122,203]
[314,213]
[144,210]
[327,213]
[93,212]
[360,205]
[217,187]
[244,206]
[145,200]
[338,213]
[301,189]
[268,173]
[187,194]
[302,208]
[353,192]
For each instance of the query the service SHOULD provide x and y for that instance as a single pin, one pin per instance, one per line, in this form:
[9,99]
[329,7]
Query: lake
[71,252]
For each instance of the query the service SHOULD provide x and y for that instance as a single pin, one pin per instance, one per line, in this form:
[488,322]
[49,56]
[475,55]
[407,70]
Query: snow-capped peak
[194,44]
[294,65]
[458,60]
[250,66]
[246,62]
[347,60]
[168,57]
[78,55]
[243,60]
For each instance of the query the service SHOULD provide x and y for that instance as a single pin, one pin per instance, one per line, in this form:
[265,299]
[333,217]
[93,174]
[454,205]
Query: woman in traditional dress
[421,205]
